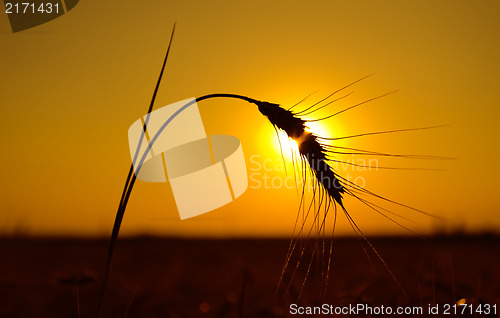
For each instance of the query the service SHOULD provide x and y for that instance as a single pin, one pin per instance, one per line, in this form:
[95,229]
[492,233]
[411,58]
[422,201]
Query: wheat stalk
[314,155]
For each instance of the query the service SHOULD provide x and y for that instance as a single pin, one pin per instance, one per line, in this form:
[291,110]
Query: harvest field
[166,277]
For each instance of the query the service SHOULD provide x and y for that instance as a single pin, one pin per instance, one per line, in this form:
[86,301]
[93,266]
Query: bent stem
[132,177]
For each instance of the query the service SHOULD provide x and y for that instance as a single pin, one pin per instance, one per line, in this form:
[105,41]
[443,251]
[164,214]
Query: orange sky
[70,89]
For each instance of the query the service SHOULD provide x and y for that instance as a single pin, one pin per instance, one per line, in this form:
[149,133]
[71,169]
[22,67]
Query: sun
[286,146]
[293,144]
[318,129]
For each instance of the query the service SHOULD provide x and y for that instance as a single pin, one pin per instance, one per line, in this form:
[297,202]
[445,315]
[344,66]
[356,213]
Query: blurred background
[70,88]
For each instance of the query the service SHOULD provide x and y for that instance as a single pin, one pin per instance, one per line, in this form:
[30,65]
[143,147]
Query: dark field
[237,278]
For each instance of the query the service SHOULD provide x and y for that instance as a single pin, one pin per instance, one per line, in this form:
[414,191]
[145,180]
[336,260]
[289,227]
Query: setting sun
[39,194]
[282,143]
[285,145]
[318,129]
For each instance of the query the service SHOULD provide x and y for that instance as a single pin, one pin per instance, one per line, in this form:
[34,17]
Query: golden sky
[70,89]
